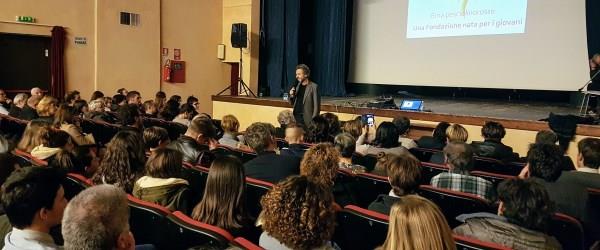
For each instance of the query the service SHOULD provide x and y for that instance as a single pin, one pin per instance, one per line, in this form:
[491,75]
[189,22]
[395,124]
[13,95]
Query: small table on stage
[586,99]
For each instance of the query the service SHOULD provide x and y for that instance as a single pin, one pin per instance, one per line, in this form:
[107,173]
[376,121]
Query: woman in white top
[386,140]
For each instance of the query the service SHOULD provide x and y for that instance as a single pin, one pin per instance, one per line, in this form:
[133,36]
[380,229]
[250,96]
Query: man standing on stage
[308,105]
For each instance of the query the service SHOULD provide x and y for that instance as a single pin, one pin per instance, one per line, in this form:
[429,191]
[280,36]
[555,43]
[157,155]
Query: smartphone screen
[368,119]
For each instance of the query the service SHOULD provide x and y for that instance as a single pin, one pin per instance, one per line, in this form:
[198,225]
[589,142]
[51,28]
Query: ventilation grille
[131,19]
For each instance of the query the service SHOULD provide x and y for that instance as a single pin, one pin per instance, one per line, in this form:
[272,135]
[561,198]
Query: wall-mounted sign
[80,40]
[177,54]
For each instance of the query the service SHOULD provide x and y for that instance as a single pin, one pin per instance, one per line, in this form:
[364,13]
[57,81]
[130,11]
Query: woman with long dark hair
[386,141]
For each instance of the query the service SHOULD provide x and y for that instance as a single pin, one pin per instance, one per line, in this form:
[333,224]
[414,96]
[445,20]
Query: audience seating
[74,184]
[175,129]
[368,161]
[491,165]
[466,243]
[281,143]
[196,177]
[148,222]
[245,244]
[429,170]
[243,155]
[12,127]
[568,231]
[103,132]
[359,228]
[185,232]
[255,189]
[423,154]
[495,179]
[454,203]
[25,159]
[369,186]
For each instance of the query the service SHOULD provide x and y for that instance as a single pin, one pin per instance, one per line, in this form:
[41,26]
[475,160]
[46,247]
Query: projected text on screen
[444,18]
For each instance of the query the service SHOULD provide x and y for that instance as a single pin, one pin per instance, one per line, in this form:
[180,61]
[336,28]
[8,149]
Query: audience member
[320,164]
[108,102]
[122,91]
[9,163]
[170,111]
[160,100]
[156,138]
[123,161]
[333,123]
[193,102]
[98,218]
[63,119]
[404,174]
[353,127]
[71,97]
[346,145]
[454,133]
[81,160]
[150,109]
[297,214]
[118,101]
[403,125]
[386,140]
[318,131]
[224,201]
[29,111]
[33,199]
[294,136]
[438,138]
[267,166]
[35,134]
[175,98]
[4,103]
[196,142]
[162,182]
[284,118]
[459,159]
[37,92]
[134,97]
[97,111]
[186,113]
[492,146]
[417,223]
[80,108]
[46,109]
[97,95]
[57,141]
[18,104]
[5,146]
[130,117]
[549,137]
[522,218]
[231,136]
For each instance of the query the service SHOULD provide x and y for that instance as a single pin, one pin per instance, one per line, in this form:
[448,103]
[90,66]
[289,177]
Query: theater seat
[491,165]
[245,244]
[368,161]
[567,230]
[593,215]
[423,154]
[243,155]
[369,186]
[466,243]
[25,159]
[196,177]
[453,203]
[184,232]
[495,179]
[359,228]
[255,189]
[103,131]
[73,184]
[429,170]
[175,129]
[148,222]
[12,128]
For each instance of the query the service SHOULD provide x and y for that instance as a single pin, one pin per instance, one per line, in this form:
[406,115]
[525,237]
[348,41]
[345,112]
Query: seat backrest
[196,177]
[429,170]
[255,189]
[491,165]
[244,155]
[25,158]
[73,184]
[454,203]
[281,143]
[592,230]
[147,222]
[423,154]
[495,179]
[368,161]
[369,186]
[359,228]
[245,244]
[185,232]
[567,230]
[466,243]
[11,127]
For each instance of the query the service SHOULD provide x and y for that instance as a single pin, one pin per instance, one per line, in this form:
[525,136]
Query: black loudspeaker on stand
[239,39]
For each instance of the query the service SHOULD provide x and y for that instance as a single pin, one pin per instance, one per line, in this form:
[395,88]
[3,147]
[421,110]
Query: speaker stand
[242,87]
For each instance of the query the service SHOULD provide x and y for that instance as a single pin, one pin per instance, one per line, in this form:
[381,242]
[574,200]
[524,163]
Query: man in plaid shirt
[459,158]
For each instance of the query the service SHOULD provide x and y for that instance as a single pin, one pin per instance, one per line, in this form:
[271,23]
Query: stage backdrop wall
[513,44]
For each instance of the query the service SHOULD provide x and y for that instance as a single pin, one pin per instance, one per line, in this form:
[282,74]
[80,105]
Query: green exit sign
[25,19]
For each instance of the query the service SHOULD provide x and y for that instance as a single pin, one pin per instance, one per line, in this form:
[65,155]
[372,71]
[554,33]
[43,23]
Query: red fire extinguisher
[167,71]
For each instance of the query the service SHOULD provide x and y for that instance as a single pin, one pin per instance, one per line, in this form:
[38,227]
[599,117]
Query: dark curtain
[305,31]
[57,62]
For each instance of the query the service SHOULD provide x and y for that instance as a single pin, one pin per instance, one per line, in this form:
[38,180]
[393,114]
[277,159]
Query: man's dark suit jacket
[494,149]
[430,142]
[270,167]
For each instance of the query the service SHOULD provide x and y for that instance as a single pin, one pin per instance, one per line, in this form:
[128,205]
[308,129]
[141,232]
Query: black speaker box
[239,35]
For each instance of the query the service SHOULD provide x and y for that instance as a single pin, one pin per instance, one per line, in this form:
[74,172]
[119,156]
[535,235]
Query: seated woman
[404,175]
[231,136]
[318,131]
[524,211]
[346,145]
[46,109]
[123,161]
[82,160]
[35,134]
[186,113]
[80,108]
[224,201]
[438,138]
[63,119]
[417,223]
[454,133]
[386,140]
[297,214]
[162,183]
[56,142]
[353,127]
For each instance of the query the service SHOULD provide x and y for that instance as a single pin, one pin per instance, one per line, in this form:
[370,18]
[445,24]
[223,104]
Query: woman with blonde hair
[417,223]
[46,108]
[231,136]
[35,134]
[454,133]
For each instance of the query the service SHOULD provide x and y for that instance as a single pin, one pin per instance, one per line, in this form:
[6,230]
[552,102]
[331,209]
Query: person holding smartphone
[308,105]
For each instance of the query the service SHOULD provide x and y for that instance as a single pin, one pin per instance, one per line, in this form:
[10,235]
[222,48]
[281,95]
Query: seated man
[29,113]
[549,137]
[155,138]
[492,146]
[34,201]
[404,174]
[98,218]
[18,104]
[403,125]
[268,166]
[294,136]
[522,218]
[130,117]
[459,159]
[197,141]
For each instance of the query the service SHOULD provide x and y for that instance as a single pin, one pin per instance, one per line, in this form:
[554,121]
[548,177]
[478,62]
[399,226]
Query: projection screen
[508,44]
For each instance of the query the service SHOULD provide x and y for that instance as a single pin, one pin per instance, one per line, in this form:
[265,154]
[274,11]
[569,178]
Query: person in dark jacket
[29,111]
[196,142]
[294,136]
[492,146]
[162,183]
[268,166]
[404,174]
[19,102]
[437,140]
[522,218]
